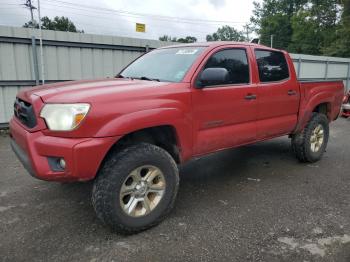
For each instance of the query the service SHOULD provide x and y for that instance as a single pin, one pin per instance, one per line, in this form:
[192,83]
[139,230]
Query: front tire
[136,188]
[310,144]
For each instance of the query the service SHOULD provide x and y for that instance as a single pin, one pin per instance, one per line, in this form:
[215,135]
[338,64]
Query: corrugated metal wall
[67,56]
[72,56]
[322,68]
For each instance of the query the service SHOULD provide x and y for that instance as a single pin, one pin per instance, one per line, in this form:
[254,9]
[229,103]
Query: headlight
[64,117]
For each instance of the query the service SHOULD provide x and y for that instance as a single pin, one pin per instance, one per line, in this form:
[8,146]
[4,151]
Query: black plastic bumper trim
[23,157]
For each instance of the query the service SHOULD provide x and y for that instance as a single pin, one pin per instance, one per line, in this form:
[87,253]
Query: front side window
[235,61]
[272,66]
[169,64]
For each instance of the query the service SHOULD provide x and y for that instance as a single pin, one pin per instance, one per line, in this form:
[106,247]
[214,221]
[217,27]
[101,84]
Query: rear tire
[126,171]
[310,144]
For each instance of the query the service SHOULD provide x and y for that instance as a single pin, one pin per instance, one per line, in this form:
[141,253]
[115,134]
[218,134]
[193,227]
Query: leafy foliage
[273,17]
[226,33]
[341,44]
[167,38]
[187,39]
[318,27]
[58,23]
[314,27]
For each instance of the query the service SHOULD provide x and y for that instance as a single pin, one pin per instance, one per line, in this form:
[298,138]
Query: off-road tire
[301,142]
[116,168]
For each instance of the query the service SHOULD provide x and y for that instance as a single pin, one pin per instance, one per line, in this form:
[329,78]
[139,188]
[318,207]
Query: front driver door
[225,114]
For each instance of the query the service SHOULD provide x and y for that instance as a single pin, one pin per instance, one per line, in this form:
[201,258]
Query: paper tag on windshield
[186,52]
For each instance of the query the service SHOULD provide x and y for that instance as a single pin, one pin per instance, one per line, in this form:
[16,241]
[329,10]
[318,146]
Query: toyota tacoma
[129,133]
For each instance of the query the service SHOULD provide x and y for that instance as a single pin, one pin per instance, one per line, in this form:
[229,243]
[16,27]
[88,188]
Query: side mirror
[213,76]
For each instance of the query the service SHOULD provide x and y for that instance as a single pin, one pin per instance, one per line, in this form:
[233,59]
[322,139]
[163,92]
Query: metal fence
[73,56]
[322,68]
[67,56]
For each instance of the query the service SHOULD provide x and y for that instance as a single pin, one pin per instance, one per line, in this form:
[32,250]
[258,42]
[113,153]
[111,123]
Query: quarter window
[236,63]
[272,66]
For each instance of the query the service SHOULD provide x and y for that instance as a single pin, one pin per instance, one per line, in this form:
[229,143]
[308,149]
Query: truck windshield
[168,65]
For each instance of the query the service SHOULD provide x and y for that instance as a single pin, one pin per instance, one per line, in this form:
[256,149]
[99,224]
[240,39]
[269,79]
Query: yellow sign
[140,28]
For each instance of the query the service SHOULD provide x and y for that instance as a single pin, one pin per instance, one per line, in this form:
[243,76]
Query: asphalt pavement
[254,203]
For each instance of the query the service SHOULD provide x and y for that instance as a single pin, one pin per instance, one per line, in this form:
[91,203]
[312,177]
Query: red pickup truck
[130,133]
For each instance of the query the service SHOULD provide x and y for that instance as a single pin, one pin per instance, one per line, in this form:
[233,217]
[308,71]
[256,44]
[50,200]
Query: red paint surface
[205,120]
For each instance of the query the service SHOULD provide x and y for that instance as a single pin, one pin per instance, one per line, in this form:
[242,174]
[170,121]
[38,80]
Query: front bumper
[83,156]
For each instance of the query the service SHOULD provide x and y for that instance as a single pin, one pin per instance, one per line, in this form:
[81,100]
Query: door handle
[292,92]
[250,97]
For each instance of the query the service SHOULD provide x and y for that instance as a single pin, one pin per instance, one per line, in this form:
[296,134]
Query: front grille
[24,113]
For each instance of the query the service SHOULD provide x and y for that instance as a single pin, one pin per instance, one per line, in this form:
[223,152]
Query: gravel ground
[255,203]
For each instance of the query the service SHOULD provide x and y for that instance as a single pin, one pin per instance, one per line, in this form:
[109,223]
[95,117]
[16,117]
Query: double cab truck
[130,133]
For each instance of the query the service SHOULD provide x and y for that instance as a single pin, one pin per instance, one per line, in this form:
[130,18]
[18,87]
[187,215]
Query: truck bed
[329,92]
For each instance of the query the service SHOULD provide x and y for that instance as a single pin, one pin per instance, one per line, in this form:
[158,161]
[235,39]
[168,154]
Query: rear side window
[236,63]
[272,66]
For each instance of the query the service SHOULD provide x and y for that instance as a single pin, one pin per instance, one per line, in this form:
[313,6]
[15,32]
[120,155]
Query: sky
[119,17]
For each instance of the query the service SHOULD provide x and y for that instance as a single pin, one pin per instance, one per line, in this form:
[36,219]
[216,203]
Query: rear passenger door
[278,94]
[224,114]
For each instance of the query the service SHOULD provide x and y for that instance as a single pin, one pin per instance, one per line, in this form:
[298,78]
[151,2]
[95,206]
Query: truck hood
[91,90]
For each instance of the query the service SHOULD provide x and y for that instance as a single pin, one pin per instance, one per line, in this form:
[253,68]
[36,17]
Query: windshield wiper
[147,78]
[141,78]
[126,77]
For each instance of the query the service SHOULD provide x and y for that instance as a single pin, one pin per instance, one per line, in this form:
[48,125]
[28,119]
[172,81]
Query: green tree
[306,38]
[304,26]
[226,33]
[58,24]
[187,39]
[273,17]
[314,27]
[341,44]
[167,38]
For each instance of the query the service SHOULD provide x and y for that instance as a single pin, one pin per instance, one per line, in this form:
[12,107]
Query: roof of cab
[219,43]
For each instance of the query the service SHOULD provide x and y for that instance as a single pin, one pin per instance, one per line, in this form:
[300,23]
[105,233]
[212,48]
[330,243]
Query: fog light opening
[62,163]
